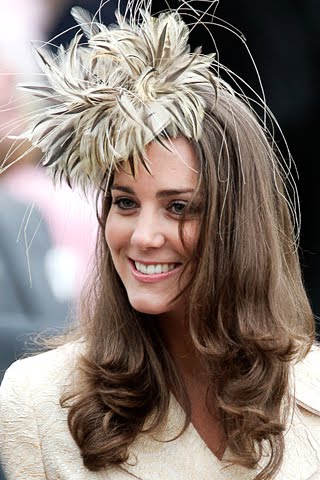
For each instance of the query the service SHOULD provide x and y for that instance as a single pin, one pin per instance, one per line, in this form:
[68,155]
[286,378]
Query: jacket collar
[188,456]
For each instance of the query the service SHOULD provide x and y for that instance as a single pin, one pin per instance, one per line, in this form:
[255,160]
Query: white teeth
[152,269]
[165,268]
[158,269]
[143,268]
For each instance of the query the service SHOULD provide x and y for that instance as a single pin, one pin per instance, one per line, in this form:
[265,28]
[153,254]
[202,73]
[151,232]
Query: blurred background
[47,234]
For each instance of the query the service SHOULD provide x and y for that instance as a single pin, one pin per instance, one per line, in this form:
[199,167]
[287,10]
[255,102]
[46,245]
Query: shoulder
[307,381]
[40,373]
[30,413]
[307,391]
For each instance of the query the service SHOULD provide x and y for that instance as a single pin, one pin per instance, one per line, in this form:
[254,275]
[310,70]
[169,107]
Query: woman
[184,363]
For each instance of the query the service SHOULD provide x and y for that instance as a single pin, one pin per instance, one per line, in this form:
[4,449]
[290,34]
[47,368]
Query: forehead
[173,164]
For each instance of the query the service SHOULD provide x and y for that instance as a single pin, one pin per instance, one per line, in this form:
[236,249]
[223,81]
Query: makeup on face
[142,228]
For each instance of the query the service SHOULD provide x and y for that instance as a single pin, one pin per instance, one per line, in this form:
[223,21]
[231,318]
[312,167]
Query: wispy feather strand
[108,99]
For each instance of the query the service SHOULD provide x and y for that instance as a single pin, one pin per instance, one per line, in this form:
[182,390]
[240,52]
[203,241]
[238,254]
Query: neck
[179,344]
[204,415]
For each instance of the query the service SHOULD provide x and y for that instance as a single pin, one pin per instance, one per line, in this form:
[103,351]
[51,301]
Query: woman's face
[142,228]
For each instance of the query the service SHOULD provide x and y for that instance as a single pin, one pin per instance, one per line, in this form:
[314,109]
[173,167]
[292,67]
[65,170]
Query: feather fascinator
[106,100]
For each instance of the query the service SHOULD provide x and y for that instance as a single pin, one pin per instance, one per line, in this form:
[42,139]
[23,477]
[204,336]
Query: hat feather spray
[106,100]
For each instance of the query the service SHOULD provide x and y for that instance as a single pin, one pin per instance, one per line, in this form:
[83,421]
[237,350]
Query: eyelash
[180,203]
[120,203]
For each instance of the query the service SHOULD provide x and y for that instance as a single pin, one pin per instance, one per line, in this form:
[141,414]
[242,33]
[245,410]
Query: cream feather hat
[105,101]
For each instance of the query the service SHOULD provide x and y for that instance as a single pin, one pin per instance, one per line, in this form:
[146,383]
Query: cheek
[117,232]
[191,234]
[111,232]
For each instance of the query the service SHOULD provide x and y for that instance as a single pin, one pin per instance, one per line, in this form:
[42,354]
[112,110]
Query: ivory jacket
[35,442]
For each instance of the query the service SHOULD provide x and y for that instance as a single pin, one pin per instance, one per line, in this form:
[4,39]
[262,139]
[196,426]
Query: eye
[124,203]
[177,207]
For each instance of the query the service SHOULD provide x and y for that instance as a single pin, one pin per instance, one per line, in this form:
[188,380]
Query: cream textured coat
[35,442]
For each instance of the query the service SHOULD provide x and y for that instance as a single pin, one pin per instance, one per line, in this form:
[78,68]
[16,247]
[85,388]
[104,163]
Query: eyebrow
[161,194]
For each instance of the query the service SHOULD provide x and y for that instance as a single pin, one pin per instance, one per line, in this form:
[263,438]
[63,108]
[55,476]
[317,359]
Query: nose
[148,232]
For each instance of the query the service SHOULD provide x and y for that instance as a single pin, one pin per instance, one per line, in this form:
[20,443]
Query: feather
[108,99]
[84,20]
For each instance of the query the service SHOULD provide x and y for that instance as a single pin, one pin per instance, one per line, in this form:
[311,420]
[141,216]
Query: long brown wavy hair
[248,314]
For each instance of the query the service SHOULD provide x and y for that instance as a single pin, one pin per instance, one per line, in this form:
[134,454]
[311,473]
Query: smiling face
[142,228]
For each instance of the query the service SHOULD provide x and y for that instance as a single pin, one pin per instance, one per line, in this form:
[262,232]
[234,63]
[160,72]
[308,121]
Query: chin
[148,307]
